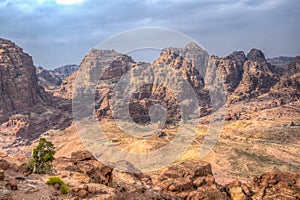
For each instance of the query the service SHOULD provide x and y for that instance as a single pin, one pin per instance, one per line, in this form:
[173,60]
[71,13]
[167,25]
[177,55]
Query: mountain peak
[19,86]
[193,45]
[256,55]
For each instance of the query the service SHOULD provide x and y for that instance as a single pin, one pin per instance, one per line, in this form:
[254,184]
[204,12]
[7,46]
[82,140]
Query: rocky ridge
[24,105]
[288,88]
[257,78]
[149,80]
[19,85]
[49,79]
[244,78]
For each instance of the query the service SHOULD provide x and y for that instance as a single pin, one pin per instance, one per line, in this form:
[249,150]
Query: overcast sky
[58,32]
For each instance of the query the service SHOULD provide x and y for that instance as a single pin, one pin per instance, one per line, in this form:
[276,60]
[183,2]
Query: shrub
[42,157]
[64,189]
[53,180]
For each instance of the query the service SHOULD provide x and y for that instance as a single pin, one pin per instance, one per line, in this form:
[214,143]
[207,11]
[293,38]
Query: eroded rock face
[46,78]
[230,70]
[191,180]
[257,78]
[242,77]
[288,88]
[49,79]
[65,89]
[277,185]
[195,55]
[24,106]
[142,85]
[18,82]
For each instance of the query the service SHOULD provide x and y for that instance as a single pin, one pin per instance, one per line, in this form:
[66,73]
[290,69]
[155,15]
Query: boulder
[4,165]
[82,155]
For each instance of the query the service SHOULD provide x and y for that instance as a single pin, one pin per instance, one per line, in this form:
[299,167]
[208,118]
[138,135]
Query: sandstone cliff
[169,80]
[46,78]
[257,78]
[230,69]
[18,82]
[288,88]
[24,106]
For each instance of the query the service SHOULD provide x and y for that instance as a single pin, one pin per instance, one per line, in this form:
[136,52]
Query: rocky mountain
[65,71]
[46,78]
[24,105]
[154,84]
[18,82]
[280,64]
[288,88]
[195,55]
[49,79]
[230,70]
[65,89]
[282,61]
[243,78]
[257,77]
[160,90]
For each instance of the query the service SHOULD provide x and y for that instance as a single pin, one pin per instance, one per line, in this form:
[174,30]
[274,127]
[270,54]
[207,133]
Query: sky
[59,32]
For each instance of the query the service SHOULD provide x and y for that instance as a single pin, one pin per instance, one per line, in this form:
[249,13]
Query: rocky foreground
[89,179]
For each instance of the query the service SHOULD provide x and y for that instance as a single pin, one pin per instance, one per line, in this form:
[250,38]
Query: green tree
[42,157]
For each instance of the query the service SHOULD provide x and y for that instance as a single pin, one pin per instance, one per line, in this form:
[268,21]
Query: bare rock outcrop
[49,79]
[288,88]
[46,78]
[257,78]
[65,89]
[276,185]
[191,180]
[194,54]
[24,105]
[230,70]
[18,81]
[141,84]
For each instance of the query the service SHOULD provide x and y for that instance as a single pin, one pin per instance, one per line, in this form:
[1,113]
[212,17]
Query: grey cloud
[56,34]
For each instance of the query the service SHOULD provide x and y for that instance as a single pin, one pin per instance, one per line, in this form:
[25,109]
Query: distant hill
[52,78]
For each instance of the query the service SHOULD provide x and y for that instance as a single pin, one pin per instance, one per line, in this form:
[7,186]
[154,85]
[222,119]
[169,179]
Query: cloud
[56,34]
[69,2]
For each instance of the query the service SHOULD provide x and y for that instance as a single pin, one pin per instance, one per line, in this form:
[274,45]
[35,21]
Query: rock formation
[46,78]
[88,178]
[257,77]
[171,79]
[195,55]
[288,88]
[230,70]
[49,79]
[242,77]
[65,89]
[18,82]
[191,180]
[280,64]
[65,71]
[24,105]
